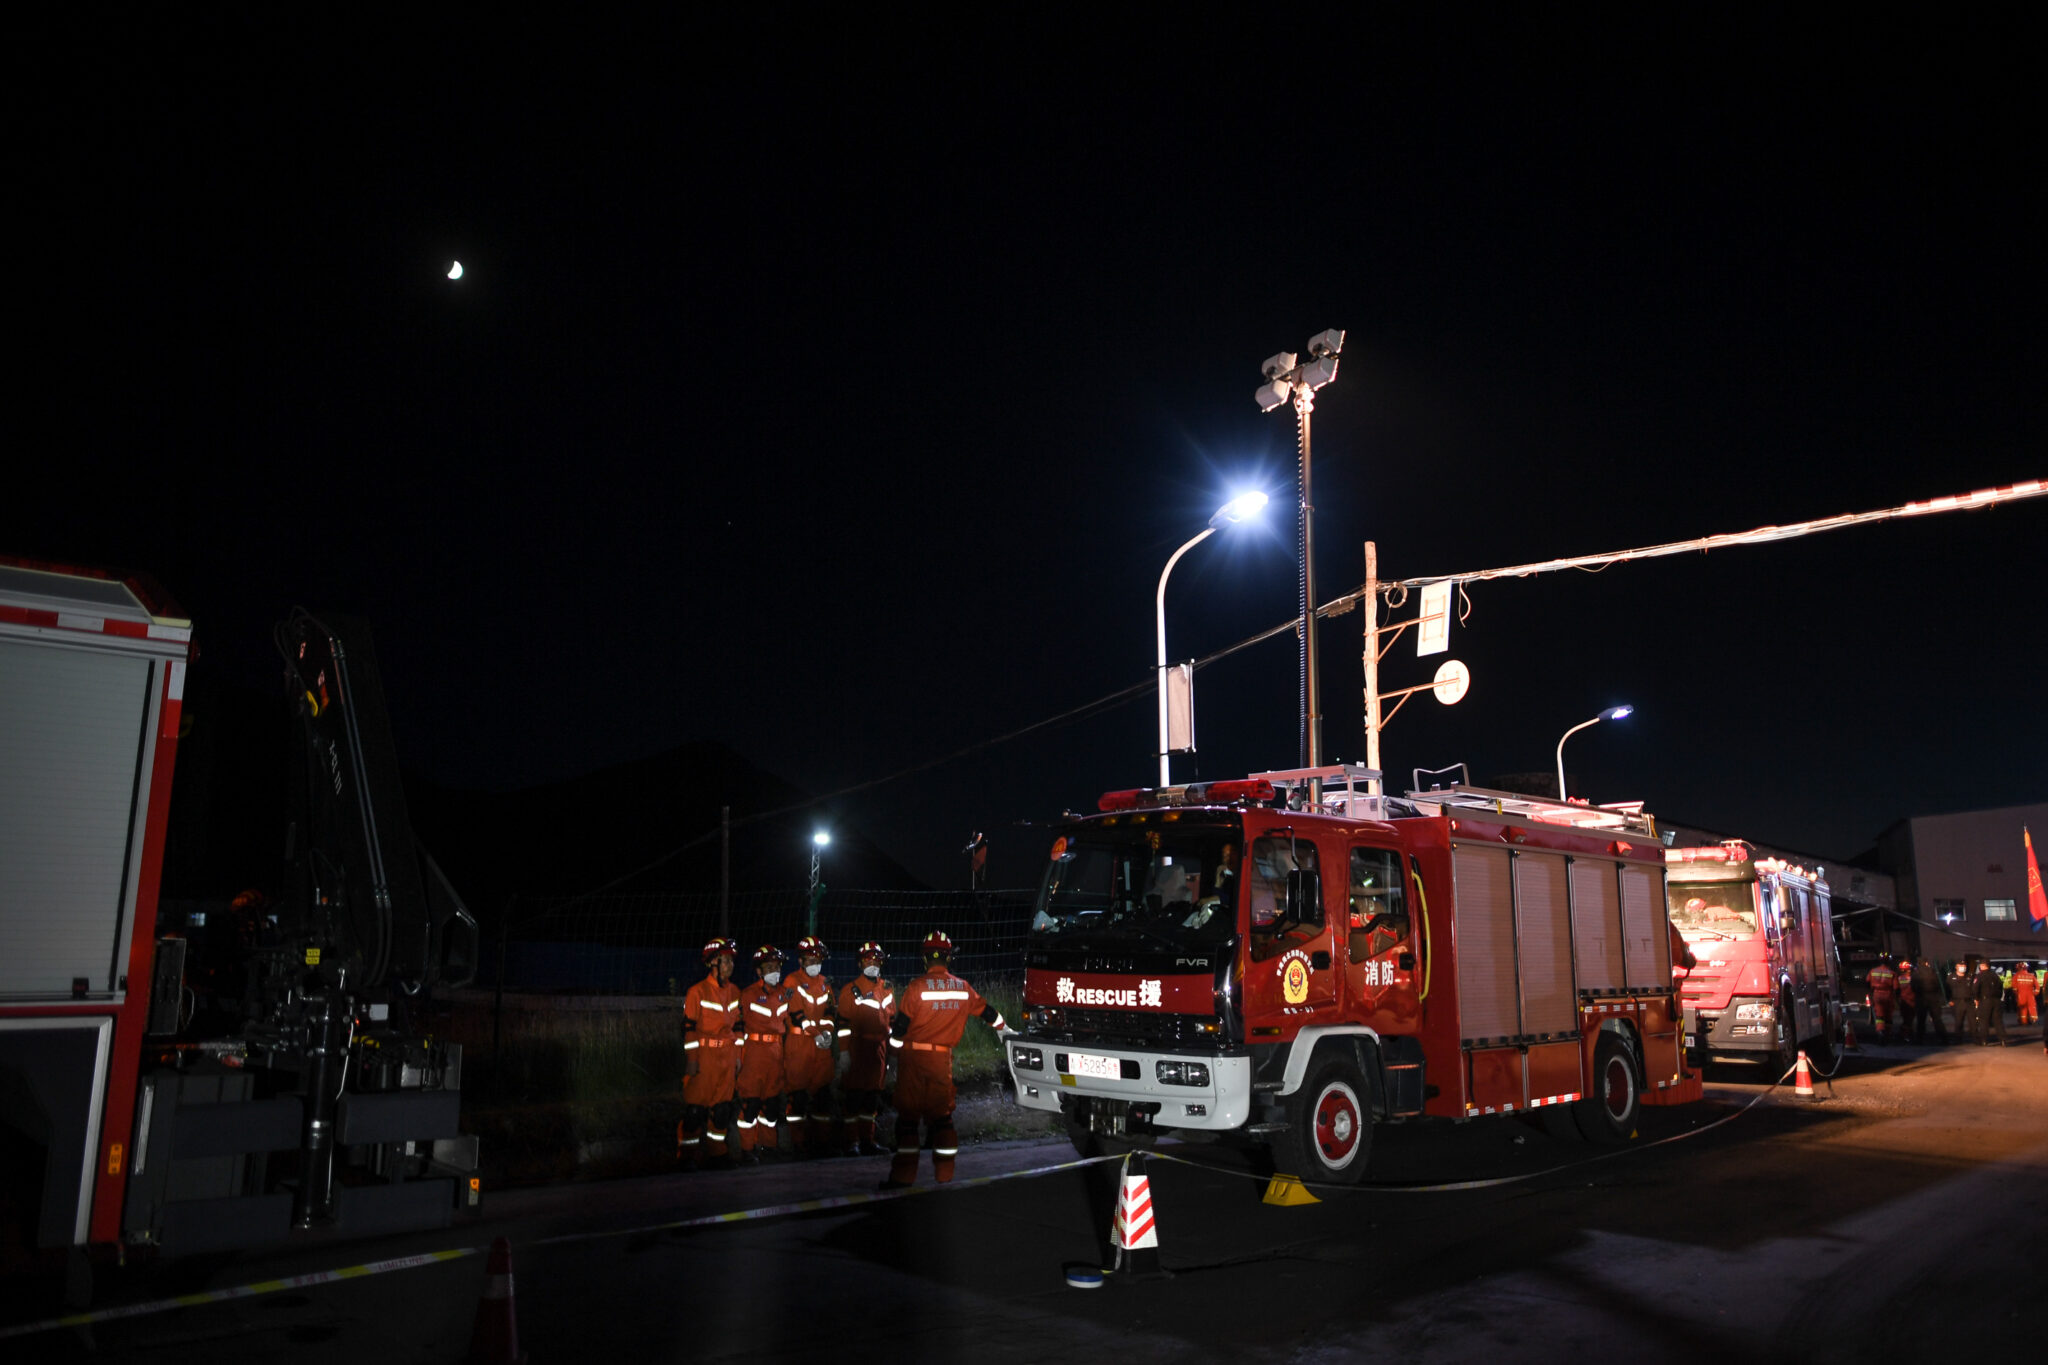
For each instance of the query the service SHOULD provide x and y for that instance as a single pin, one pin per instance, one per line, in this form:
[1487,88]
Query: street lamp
[1290,379]
[1611,713]
[1229,514]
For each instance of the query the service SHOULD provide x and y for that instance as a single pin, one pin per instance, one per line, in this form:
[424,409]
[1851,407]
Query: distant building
[1964,878]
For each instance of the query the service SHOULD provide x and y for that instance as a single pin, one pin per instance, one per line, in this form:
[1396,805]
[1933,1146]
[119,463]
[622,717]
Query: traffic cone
[495,1338]
[1287,1191]
[1802,1079]
[1848,1036]
[1134,1232]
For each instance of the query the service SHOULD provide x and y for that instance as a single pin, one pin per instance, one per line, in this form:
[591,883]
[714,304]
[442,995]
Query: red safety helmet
[767,952]
[871,951]
[809,944]
[937,944]
[720,947]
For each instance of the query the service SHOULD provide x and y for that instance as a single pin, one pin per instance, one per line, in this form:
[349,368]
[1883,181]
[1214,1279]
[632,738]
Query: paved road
[1905,1205]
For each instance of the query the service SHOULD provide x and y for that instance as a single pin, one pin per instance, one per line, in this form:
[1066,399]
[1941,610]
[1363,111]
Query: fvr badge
[1294,976]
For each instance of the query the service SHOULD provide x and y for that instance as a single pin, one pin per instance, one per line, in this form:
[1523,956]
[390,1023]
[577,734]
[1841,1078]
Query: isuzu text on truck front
[1241,959]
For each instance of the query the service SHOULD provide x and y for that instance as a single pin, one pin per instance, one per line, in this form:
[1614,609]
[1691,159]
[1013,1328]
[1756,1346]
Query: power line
[1762,535]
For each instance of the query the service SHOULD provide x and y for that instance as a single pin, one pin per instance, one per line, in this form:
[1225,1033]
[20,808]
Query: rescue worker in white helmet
[867,1004]
[764,1016]
[808,1058]
[711,1018]
[930,1019]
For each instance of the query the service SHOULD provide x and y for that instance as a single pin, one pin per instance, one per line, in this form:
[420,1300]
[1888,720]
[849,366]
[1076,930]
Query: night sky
[838,394]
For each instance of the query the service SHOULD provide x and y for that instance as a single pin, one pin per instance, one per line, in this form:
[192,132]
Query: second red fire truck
[1765,985]
[1289,961]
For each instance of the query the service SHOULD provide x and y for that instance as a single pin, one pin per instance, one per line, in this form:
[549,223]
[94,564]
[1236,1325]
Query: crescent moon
[455,271]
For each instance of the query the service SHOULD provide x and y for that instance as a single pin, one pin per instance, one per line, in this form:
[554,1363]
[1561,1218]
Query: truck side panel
[1489,1002]
[1596,926]
[1550,1001]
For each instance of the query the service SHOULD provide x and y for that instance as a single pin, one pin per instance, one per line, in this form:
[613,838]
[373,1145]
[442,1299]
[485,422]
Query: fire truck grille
[1141,1028]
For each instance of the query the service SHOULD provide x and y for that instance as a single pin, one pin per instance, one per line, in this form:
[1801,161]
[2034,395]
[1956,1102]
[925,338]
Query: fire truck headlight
[1029,1058]
[1756,1011]
[1182,1073]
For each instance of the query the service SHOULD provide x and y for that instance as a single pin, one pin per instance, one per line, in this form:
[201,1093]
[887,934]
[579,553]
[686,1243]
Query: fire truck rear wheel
[1608,1114]
[1329,1127]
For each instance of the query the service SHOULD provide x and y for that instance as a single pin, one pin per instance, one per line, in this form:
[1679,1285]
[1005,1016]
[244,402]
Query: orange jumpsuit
[764,1014]
[810,1067]
[2024,983]
[935,1009]
[1884,988]
[866,1008]
[711,1016]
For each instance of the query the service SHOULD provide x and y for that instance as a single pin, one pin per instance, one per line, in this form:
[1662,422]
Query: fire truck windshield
[1177,886]
[1705,911]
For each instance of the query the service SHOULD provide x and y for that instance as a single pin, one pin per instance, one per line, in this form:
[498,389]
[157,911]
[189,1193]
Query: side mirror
[1304,897]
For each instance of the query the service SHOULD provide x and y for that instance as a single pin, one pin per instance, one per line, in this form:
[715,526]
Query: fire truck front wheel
[1329,1127]
[1607,1115]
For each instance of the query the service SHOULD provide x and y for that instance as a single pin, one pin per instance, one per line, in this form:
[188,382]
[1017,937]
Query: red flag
[2037,899]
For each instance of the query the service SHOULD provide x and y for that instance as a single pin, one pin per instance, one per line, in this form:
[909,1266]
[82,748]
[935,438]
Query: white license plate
[1102,1068]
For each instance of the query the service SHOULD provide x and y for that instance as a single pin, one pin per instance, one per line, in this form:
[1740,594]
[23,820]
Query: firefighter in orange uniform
[2024,983]
[930,1019]
[1884,996]
[808,1059]
[866,1006]
[764,1015]
[711,1022]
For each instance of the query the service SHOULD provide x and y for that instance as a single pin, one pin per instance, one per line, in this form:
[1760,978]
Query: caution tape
[356,1272]
[814,1205]
[242,1291]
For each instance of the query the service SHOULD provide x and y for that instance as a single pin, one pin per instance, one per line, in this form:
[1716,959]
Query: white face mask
[872,973]
[813,968]
[771,977]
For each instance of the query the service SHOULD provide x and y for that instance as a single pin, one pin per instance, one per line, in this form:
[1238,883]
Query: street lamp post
[1232,512]
[1611,713]
[818,842]
[1290,380]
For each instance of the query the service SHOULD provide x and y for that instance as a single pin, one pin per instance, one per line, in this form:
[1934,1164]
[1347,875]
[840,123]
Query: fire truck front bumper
[1189,1090]
[1747,1030]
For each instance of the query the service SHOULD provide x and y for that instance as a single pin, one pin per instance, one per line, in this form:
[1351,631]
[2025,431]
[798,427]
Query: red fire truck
[318,1101]
[1287,960]
[1765,984]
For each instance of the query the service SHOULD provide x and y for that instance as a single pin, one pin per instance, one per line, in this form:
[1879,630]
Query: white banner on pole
[1433,635]
[1180,709]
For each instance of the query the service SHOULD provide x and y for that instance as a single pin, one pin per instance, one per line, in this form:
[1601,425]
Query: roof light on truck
[1123,800]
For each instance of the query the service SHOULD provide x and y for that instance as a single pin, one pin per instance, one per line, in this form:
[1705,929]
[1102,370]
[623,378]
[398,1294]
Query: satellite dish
[1453,680]
[455,271]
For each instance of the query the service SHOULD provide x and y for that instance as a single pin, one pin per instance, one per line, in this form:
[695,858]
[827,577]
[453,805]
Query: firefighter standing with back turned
[809,1058]
[1884,995]
[867,1004]
[930,1018]
[711,1023]
[764,1014]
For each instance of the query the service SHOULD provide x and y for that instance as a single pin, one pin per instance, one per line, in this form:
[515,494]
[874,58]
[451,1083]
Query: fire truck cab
[1288,960]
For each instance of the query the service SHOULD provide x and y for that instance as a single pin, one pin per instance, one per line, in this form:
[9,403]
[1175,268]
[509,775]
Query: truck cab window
[1274,859]
[1379,902]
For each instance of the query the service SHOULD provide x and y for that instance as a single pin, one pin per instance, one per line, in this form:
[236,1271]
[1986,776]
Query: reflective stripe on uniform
[945,1151]
[762,1009]
[945,995]
[929,1047]
[869,1001]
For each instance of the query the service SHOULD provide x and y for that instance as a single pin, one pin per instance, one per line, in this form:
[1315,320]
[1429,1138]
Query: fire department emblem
[1294,977]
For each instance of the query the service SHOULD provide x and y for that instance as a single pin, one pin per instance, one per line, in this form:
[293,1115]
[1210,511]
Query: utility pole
[1369,598]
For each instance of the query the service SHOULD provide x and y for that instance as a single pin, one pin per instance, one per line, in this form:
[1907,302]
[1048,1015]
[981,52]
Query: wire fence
[652,944]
